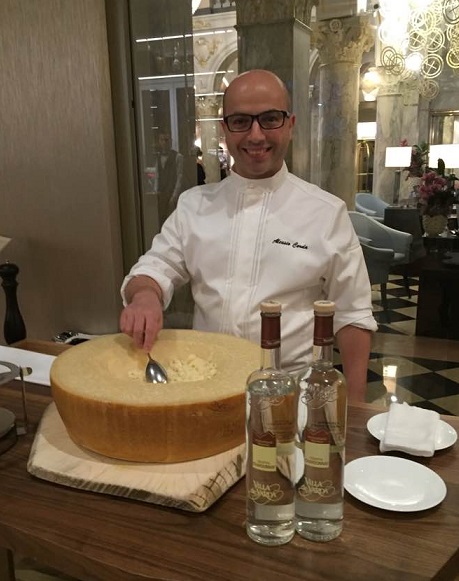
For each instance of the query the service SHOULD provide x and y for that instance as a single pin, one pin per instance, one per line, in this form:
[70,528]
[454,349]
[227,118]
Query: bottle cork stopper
[270,307]
[324,307]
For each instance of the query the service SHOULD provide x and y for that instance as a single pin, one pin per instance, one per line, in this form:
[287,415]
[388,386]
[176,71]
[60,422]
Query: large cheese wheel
[108,407]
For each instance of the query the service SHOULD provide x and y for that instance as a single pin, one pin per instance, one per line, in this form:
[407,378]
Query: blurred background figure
[224,163]
[201,175]
[170,176]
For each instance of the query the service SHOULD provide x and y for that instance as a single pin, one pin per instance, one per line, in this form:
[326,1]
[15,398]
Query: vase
[434,225]
[407,187]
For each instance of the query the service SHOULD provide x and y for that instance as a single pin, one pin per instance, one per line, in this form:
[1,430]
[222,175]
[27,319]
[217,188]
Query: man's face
[164,142]
[258,153]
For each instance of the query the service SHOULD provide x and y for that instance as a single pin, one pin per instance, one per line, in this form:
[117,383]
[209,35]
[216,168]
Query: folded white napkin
[39,362]
[410,429]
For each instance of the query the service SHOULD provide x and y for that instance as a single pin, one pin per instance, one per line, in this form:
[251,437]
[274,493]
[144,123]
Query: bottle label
[266,493]
[316,395]
[271,450]
[317,490]
[317,448]
[264,452]
[270,477]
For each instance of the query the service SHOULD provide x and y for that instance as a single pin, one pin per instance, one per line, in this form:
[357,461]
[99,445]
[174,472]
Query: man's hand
[354,345]
[142,319]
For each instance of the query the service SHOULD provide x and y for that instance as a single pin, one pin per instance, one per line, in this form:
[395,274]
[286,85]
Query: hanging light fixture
[417,38]
[370,84]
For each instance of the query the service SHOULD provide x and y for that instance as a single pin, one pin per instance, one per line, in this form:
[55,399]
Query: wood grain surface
[193,485]
[97,537]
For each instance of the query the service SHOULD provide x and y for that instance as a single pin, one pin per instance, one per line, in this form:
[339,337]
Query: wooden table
[95,537]
[437,312]
[448,243]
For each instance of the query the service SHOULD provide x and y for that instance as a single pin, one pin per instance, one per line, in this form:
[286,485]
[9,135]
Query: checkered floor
[401,316]
[427,383]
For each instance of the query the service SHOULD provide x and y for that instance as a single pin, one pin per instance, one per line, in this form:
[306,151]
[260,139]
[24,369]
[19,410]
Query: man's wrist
[147,290]
[143,285]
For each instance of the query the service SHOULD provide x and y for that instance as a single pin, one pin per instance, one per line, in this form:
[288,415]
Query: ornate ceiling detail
[208,106]
[205,47]
[343,39]
[417,43]
[268,11]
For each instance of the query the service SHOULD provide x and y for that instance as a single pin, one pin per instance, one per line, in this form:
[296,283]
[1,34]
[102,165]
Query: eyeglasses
[240,122]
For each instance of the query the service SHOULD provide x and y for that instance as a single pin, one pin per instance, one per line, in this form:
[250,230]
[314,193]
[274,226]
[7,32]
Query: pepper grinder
[14,327]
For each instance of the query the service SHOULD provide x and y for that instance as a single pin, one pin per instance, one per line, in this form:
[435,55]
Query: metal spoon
[155,372]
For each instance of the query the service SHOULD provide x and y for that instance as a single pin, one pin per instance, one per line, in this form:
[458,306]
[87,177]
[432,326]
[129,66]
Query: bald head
[255,99]
[264,83]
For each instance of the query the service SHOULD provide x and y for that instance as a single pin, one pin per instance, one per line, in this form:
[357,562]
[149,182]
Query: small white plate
[445,436]
[393,483]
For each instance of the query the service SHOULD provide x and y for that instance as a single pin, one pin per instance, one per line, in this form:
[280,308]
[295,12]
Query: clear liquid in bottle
[321,428]
[272,403]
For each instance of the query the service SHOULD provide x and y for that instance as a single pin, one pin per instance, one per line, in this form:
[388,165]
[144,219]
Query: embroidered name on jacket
[292,244]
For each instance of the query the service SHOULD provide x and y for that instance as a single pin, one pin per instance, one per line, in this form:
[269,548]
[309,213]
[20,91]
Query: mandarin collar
[262,185]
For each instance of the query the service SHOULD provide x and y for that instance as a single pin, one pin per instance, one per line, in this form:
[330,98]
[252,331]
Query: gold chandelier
[417,37]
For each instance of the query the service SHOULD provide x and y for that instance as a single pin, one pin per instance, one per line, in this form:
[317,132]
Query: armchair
[408,220]
[375,235]
[378,262]
[370,205]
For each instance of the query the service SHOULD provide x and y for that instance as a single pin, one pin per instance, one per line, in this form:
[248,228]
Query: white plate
[393,483]
[445,436]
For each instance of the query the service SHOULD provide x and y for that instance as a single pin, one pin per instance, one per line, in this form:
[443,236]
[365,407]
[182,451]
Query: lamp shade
[366,130]
[398,156]
[4,241]
[449,153]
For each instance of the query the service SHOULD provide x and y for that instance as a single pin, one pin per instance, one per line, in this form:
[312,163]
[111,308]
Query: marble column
[409,131]
[341,43]
[207,109]
[389,115]
[275,35]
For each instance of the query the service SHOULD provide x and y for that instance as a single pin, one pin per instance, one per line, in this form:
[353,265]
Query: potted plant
[436,198]
[418,162]
[414,172]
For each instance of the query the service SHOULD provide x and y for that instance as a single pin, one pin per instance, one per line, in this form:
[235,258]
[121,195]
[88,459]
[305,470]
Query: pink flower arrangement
[431,184]
[435,196]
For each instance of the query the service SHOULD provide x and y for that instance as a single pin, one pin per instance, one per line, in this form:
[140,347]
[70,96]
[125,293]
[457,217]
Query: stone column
[275,35]
[389,115]
[424,120]
[409,131]
[207,109]
[341,43]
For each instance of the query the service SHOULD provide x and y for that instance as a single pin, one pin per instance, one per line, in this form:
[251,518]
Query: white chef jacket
[241,241]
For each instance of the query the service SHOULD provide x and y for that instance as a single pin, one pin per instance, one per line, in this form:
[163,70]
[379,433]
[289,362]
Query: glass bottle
[322,414]
[272,405]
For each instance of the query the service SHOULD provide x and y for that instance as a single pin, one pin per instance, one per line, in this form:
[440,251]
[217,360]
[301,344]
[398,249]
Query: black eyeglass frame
[285,115]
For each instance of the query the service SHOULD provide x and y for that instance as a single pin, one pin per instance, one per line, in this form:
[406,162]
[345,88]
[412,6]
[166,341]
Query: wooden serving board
[192,486]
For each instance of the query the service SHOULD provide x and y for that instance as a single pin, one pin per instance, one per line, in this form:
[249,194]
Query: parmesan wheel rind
[108,412]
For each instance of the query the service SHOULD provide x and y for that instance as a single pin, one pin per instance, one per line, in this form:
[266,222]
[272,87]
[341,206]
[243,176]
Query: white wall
[58,188]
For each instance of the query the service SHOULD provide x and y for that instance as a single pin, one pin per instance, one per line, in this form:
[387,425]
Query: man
[262,233]
[223,160]
[170,176]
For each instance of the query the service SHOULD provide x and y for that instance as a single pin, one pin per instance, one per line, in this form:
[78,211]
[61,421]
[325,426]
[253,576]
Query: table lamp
[4,241]
[448,152]
[398,157]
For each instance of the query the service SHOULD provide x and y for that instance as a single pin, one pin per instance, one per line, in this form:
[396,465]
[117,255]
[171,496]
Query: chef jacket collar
[262,185]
